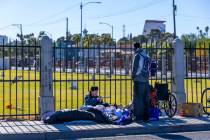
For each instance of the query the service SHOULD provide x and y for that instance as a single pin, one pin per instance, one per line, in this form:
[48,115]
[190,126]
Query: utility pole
[112,28]
[67,28]
[81,16]
[123,31]
[81,39]
[20,26]
[21,33]
[174,17]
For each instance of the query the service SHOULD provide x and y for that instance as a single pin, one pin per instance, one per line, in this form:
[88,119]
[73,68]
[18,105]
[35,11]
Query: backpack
[149,67]
[153,68]
[145,71]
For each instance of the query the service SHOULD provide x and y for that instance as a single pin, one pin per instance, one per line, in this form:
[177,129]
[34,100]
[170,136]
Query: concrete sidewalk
[36,130]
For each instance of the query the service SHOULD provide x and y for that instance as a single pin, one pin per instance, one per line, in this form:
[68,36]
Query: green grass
[120,91]
[26,96]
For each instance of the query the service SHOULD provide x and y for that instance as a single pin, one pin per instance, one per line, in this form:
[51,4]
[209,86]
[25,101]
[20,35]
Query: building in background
[154,25]
[3,39]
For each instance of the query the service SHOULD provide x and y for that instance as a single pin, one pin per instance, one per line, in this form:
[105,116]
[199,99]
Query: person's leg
[146,101]
[134,98]
[138,101]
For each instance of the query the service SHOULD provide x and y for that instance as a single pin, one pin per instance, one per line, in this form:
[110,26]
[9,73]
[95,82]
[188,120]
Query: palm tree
[201,33]
[60,39]
[106,39]
[189,39]
[154,35]
[41,33]
[20,38]
[87,40]
[140,39]
[30,39]
[91,39]
[123,40]
[96,39]
[76,39]
[207,30]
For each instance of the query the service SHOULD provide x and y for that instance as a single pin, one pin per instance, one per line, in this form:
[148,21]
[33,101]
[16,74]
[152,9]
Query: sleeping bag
[99,114]
[68,116]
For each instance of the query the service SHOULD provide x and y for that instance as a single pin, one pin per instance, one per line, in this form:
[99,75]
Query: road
[198,135]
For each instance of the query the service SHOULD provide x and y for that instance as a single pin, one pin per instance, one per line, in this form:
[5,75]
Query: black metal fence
[197,70]
[107,66]
[19,80]
[76,69]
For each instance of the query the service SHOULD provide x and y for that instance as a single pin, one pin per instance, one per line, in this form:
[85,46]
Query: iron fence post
[46,99]
[127,65]
[209,62]
[97,59]
[178,71]
[164,63]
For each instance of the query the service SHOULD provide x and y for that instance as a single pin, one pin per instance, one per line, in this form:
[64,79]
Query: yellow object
[191,109]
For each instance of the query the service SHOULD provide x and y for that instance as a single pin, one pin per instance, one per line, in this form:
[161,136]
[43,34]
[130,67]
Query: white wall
[3,37]
[6,63]
[151,26]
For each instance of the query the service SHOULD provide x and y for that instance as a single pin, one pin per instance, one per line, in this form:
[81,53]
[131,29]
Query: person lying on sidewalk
[93,99]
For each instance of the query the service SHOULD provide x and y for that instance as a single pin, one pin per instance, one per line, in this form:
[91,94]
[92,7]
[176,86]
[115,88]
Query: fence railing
[76,69]
[19,81]
[108,67]
[197,70]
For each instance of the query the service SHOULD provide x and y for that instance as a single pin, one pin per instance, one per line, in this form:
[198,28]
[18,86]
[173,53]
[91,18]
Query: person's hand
[99,99]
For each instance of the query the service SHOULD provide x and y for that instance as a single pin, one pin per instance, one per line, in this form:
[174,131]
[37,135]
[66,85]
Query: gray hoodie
[137,66]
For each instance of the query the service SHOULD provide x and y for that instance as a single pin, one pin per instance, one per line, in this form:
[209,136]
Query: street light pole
[81,28]
[174,17]
[81,32]
[111,26]
[21,32]
[81,39]
[112,33]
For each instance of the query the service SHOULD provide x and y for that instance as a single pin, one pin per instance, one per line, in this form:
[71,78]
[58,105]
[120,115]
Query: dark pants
[141,100]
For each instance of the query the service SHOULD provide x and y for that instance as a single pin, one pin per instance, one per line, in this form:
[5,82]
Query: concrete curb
[106,132]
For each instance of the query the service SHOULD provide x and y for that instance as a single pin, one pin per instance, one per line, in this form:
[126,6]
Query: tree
[154,35]
[140,39]
[123,40]
[202,34]
[166,37]
[106,38]
[20,38]
[60,39]
[91,39]
[30,39]
[41,34]
[207,30]
[189,39]
[76,38]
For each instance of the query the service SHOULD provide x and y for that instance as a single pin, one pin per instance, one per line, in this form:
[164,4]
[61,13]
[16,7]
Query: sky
[50,16]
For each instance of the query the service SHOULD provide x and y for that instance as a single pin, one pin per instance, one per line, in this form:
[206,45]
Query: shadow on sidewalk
[172,136]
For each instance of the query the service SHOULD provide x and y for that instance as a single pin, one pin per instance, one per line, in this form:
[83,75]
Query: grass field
[23,96]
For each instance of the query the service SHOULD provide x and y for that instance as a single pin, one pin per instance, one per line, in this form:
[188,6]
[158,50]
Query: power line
[50,23]
[54,15]
[130,10]
[5,27]
[193,16]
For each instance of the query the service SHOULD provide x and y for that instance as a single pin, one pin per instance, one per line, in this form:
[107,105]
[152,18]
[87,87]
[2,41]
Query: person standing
[140,76]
